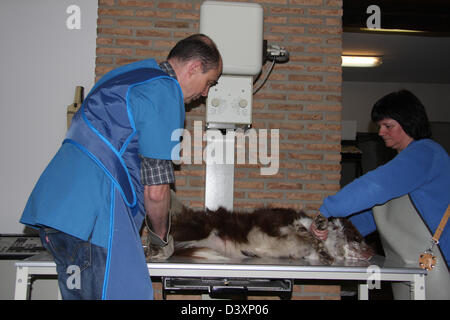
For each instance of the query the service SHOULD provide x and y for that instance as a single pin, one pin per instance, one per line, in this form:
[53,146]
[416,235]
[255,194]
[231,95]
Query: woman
[421,169]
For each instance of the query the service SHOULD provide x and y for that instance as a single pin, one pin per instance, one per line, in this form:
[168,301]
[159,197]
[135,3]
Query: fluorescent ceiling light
[391,30]
[360,61]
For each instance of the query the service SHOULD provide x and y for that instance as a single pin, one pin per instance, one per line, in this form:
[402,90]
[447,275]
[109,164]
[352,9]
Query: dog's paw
[156,252]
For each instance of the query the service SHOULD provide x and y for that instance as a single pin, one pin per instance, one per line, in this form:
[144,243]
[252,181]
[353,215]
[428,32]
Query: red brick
[171,24]
[153,14]
[114,51]
[306,97]
[287,11]
[175,5]
[307,2]
[324,107]
[271,1]
[133,23]
[305,176]
[324,146]
[285,185]
[305,136]
[133,42]
[265,195]
[306,77]
[248,185]
[305,156]
[322,289]
[303,196]
[327,30]
[325,12]
[152,33]
[135,3]
[287,30]
[115,31]
[115,12]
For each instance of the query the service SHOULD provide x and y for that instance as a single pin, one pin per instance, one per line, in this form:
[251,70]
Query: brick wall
[302,98]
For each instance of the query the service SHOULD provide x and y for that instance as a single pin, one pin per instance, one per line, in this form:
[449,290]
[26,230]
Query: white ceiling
[406,58]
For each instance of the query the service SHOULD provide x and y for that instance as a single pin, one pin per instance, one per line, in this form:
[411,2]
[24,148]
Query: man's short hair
[197,47]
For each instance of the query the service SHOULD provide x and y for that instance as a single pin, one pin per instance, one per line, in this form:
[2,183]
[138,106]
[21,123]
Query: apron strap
[441,226]
[83,136]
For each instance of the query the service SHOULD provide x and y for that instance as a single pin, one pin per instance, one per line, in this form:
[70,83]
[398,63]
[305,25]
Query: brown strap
[441,226]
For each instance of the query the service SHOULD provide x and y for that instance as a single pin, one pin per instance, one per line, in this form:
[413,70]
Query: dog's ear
[187,211]
[219,210]
[350,231]
[222,210]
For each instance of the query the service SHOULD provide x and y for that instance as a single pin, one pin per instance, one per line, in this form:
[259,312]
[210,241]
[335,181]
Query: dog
[264,233]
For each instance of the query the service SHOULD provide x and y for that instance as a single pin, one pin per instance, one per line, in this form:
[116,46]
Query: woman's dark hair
[197,47]
[405,108]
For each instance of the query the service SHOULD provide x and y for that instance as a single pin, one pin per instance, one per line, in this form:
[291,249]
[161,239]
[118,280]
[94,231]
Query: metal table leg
[22,283]
[418,287]
[363,291]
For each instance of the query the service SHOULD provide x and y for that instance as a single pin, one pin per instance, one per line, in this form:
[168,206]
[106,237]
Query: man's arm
[156,176]
[157,203]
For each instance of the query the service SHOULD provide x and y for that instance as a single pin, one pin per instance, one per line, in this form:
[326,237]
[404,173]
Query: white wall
[42,61]
[359,97]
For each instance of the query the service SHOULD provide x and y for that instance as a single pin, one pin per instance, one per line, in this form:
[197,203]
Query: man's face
[198,83]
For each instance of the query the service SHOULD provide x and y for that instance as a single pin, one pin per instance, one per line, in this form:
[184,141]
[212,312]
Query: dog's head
[356,247]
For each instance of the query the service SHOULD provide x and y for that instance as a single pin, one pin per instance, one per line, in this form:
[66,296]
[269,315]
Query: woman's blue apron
[104,129]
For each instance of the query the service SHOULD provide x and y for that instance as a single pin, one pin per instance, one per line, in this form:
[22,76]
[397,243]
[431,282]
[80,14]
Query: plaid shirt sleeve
[156,171]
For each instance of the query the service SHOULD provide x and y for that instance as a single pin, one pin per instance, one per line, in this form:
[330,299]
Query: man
[113,167]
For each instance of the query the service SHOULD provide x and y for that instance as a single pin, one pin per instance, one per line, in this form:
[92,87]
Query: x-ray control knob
[243,103]
[215,102]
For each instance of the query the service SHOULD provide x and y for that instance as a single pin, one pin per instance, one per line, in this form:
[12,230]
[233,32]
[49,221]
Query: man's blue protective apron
[104,129]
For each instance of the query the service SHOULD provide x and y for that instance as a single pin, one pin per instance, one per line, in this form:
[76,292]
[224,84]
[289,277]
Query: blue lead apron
[104,130]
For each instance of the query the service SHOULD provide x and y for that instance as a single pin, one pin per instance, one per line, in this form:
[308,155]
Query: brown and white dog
[263,233]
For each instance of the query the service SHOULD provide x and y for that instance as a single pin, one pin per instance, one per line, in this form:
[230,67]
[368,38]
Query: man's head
[197,64]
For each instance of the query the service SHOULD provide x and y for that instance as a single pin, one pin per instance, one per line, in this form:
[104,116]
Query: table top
[258,264]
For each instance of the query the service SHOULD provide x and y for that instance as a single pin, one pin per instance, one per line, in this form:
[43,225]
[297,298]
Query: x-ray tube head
[237,30]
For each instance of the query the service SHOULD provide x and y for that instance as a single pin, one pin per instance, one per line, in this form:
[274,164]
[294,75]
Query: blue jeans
[80,265]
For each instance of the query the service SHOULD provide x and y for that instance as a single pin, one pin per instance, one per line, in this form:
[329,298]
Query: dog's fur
[263,233]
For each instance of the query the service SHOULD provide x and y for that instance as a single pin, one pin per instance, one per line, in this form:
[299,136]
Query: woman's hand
[319,227]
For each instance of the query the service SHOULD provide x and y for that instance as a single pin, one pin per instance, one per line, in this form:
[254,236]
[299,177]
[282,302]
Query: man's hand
[319,227]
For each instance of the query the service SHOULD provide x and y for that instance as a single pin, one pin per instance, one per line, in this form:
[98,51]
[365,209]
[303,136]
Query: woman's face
[393,134]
